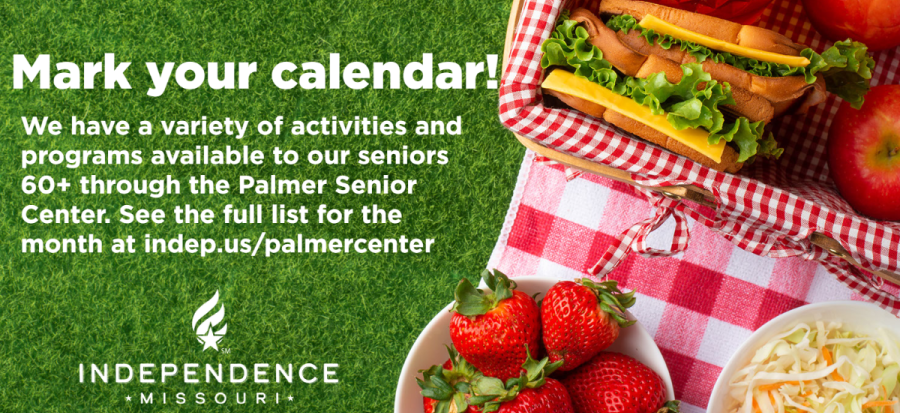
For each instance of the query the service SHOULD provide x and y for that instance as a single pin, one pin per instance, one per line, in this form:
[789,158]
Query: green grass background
[360,311]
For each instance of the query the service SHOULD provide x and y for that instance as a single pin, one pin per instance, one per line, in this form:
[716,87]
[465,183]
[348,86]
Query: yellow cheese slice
[695,138]
[664,27]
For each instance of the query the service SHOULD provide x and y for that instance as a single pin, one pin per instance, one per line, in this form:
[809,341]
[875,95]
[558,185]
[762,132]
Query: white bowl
[860,317]
[429,349]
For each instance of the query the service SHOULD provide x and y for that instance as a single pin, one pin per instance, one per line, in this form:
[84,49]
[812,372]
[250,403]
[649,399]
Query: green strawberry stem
[472,302]
[493,392]
[611,299]
[670,407]
[449,387]
[535,374]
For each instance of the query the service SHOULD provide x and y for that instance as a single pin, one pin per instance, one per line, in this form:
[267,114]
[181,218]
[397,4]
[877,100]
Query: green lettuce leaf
[769,148]
[846,66]
[568,47]
[742,134]
[693,102]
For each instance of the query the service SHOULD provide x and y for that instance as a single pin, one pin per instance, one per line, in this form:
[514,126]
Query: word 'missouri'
[423,74]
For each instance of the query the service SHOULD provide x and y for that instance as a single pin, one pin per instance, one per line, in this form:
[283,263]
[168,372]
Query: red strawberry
[552,397]
[616,383]
[581,319]
[532,392]
[445,388]
[493,331]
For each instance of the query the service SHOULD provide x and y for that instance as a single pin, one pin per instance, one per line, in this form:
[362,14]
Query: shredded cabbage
[820,369]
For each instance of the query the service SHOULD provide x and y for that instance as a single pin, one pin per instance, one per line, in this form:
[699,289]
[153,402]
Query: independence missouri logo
[204,330]
[190,377]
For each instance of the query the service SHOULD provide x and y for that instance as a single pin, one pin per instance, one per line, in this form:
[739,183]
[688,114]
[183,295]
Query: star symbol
[290,398]
[127,398]
[210,340]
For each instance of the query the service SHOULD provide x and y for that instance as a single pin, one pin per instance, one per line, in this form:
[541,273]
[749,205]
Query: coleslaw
[820,368]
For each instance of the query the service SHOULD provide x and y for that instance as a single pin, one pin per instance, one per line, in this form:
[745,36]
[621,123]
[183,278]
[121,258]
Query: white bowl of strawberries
[591,353]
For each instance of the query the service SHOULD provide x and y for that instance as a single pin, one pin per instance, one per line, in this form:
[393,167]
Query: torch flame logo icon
[204,329]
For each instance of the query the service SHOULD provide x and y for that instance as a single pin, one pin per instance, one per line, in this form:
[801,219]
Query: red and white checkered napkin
[699,305]
[771,209]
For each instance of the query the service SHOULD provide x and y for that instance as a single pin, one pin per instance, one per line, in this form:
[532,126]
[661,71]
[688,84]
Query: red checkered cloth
[771,209]
[699,305]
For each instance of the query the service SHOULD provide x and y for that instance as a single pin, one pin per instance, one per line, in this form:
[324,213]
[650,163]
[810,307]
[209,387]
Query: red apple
[739,11]
[873,22]
[864,153]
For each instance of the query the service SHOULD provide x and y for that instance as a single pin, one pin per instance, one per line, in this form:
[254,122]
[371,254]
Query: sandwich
[696,85]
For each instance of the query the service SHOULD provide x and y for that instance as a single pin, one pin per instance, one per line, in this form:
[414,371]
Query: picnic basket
[778,208]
